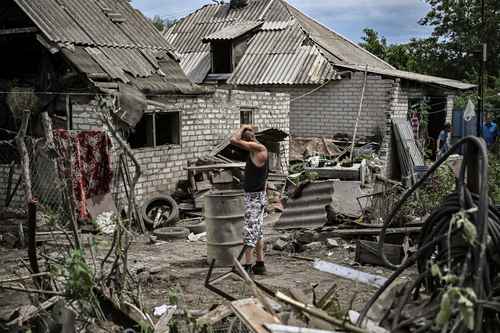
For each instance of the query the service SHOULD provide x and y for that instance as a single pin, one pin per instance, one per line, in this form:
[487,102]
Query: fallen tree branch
[35,291]
[22,278]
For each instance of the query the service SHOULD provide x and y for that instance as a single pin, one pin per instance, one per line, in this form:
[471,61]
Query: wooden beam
[368,232]
[17,31]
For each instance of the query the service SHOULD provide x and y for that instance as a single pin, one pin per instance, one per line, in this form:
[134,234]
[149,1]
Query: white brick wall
[206,121]
[333,108]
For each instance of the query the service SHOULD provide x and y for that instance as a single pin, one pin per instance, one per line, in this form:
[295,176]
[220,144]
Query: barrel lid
[228,193]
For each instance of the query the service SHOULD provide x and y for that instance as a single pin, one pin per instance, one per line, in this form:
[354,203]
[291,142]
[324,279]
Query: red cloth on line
[88,153]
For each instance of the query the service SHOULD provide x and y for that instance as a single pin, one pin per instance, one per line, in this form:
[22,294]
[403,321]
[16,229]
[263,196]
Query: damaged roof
[428,79]
[108,40]
[233,31]
[287,48]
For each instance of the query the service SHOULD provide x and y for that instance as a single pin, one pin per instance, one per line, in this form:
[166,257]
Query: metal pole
[483,69]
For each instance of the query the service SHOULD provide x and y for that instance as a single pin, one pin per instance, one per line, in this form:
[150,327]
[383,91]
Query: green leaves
[79,277]
[461,221]
[465,299]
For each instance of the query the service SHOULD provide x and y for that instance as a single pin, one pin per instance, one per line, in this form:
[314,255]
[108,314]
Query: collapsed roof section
[111,43]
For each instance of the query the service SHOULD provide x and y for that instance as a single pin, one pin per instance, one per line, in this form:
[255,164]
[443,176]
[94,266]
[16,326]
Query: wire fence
[48,187]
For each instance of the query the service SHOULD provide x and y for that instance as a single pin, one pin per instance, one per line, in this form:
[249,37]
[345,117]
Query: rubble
[332,243]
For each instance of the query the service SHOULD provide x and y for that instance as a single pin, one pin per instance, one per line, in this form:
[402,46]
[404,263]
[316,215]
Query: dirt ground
[183,263]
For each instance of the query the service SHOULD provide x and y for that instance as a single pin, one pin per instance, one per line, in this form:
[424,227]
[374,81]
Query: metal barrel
[224,215]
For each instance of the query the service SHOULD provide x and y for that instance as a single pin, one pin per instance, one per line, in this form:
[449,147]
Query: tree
[373,43]
[458,27]
[161,24]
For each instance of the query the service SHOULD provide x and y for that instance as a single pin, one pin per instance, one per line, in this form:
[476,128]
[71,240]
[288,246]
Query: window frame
[153,114]
[252,111]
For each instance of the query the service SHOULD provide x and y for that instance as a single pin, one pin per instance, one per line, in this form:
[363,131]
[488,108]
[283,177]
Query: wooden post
[359,113]
[24,157]
[32,243]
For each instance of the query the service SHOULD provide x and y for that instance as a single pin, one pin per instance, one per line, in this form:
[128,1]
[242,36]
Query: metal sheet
[196,65]
[87,23]
[308,211]
[233,31]
[447,83]
[125,49]
[111,69]
[409,154]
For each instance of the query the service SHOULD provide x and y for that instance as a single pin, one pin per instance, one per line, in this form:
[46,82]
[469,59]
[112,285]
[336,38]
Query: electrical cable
[442,243]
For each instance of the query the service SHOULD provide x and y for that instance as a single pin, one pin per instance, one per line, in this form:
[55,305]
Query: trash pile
[324,158]
[179,215]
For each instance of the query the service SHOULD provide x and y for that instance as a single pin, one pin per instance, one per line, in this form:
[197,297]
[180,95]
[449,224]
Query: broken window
[157,129]
[222,57]
[247,116]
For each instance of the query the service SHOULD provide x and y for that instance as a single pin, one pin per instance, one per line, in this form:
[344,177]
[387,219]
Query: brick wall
[333,108]
[206,121]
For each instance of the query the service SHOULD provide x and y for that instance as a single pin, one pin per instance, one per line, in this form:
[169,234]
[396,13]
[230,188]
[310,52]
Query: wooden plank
[214,316]
[216,166]
[250,312]
[276,328]
[368,232]
[16,31]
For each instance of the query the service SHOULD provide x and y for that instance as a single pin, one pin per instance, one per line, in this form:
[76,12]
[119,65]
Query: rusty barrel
[224,213]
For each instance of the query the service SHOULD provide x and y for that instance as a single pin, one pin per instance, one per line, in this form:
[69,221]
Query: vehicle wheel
[160,210]
[169,233]
[196,225]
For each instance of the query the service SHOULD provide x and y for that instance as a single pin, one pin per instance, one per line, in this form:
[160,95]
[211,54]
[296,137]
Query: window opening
[156,129]
[247,116]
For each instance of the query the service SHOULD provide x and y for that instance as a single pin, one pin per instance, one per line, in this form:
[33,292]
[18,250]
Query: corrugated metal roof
[276,25]
[448,83]
[274,56]
[110,38]
[285,44]
[334,43]
[289,48]
[90,23]
[280,57]
[233,31]
[196,65]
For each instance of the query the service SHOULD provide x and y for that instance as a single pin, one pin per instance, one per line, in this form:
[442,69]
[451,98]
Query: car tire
[160,200]
[169,233]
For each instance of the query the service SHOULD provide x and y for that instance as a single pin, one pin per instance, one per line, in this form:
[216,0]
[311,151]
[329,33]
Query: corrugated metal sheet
[233,31]
[196,65]
[277,25]
[308,211]
[87,23]
[109,37]
[410,155]
[334,43]
[114,71]
[447,83]
[280,57]
[276,54]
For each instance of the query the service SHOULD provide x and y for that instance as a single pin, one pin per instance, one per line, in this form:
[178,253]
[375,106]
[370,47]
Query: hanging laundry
[85,158]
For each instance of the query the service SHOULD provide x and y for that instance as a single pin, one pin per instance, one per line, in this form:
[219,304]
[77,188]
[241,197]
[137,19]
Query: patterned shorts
[254,217]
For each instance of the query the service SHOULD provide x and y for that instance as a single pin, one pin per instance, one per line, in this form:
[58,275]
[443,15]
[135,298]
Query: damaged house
[69,53]
[268,45]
